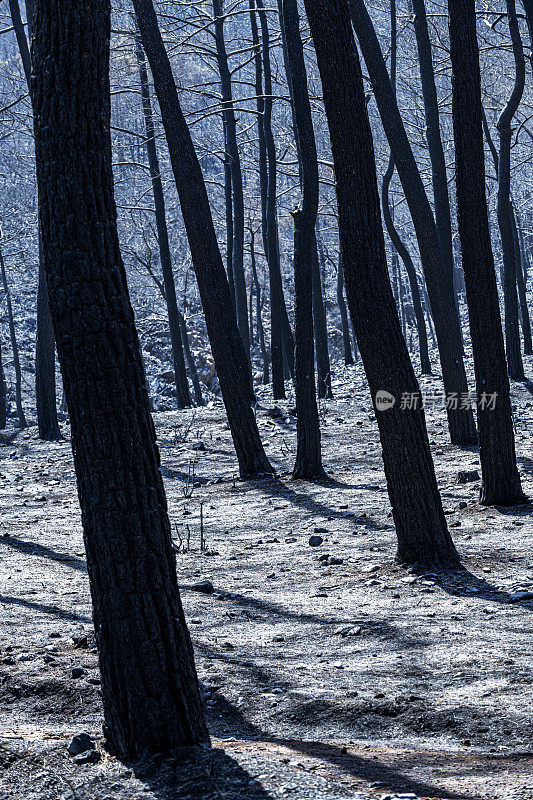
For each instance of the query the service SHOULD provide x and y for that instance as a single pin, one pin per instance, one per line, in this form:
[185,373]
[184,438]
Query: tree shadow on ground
[204,774]
[460,582]
[42,608]
[278,489]
[275,612]
[34,549]
[348,763]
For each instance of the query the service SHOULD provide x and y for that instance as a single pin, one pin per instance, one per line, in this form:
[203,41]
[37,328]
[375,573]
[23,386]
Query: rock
[463,504]
[321,530]
[80,642]
[291,540]
[198,446]
[515,597]
[25,657]
[334,560]
[315,541]
[88,757]
[81,743]
[204,587]
[77,672]
[467,476]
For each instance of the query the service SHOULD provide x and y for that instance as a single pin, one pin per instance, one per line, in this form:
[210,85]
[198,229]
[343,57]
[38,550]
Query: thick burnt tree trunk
[423,537]
[233,159]
[150,690]
[308,452]
[183,396]
[500,479]
[512,331]
[439,287]
[226,343]
[45,351]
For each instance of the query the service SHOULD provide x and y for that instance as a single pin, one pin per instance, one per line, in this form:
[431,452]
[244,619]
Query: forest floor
[349,679]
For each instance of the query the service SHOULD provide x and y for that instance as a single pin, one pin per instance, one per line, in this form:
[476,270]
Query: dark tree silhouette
[226,342]
[347,345]
[512,332]
[320,327]
[501,482]
[423,536]
[45,351]
[183,396]
[439,177]
[282,343]
[151,697]
[14,343]
[438,283]
[394,236]
[233,159]
[308,454]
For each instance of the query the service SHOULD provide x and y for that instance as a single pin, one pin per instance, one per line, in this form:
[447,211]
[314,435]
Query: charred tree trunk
[512,332]
[226,342]
[45,354]
[347,345]
[439,287]
[521,286]
[150,690]
[258,310]
[323,366]
[394,236]
[308,453]
[320,328]
[14,345]
[45,364]
[443,217]
[233,156]
[500,479]
[423,536]
[183,396]
[3,394]
[281,337]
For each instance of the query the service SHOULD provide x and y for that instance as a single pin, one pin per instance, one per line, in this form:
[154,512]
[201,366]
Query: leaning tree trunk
[183,396]
[423,536]
[308,451]
[439,177]
[394,236]
[500,479]
[151,696]
[234,159]
[45,352]
[512,332]
[226,342]
[439,287]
